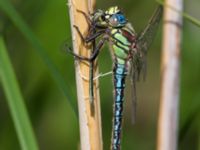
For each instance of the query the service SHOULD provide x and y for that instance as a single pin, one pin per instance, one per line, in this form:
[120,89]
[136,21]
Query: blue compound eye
[117,20]
[121,18]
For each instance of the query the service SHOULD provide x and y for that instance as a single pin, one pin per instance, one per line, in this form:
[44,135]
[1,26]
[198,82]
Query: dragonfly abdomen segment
[122,42]
[120,73]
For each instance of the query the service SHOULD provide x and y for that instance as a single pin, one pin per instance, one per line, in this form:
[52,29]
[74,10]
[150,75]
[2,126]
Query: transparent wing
[136,67]
[133,95]
[145,38]
[138,62]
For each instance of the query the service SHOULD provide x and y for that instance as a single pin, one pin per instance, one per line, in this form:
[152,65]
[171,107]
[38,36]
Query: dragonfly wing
[137,64]
[133,74]
[145,38]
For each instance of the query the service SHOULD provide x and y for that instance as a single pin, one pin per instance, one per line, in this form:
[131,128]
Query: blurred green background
[54,121]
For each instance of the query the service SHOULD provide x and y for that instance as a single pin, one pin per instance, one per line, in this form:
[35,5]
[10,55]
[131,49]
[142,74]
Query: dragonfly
[128,50]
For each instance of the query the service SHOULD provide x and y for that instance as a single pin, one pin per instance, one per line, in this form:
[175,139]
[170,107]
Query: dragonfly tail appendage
[119,83]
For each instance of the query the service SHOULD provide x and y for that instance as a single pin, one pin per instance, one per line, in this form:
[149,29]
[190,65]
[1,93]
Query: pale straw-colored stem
[169,99]
[89,116]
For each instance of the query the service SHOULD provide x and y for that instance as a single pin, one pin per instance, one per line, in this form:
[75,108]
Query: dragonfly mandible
[128,50]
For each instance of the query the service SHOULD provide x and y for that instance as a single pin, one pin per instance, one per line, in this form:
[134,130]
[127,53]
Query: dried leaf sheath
[90,122]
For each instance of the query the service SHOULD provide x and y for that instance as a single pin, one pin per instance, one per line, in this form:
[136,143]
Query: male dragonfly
[128,50]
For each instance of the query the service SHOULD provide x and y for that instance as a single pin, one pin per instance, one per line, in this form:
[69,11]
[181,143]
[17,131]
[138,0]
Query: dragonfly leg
[69,49]
[93,55]
[97,49]
[87,40]
[91,60]
[90,37]
[89,21]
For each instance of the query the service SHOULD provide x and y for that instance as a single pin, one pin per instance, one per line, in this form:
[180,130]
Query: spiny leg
[91,60]
[69,49]
[93,57]
[89,21]
[89,38]
[92,28]
[92,35]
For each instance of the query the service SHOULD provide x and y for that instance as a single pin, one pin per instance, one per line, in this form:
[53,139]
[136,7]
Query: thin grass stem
[15,101]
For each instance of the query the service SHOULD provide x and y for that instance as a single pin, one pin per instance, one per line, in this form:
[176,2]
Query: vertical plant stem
[169,105]
[89,116]
[15,101]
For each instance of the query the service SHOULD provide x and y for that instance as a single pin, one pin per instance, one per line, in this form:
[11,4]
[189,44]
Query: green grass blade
[185,15]
[9,10]
[15,101]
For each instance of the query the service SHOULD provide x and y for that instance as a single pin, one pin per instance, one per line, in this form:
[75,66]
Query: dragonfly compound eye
[121,19]
[117,20]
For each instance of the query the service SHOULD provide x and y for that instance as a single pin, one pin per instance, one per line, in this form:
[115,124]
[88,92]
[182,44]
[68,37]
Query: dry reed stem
[89,119]
[169,106]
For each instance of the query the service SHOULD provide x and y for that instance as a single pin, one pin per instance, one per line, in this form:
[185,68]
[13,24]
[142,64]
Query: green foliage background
[54,120]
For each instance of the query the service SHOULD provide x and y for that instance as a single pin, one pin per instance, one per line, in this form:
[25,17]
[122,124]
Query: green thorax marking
[121,46]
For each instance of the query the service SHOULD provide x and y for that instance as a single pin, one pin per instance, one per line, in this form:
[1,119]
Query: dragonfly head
[99,18]
[112,17]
